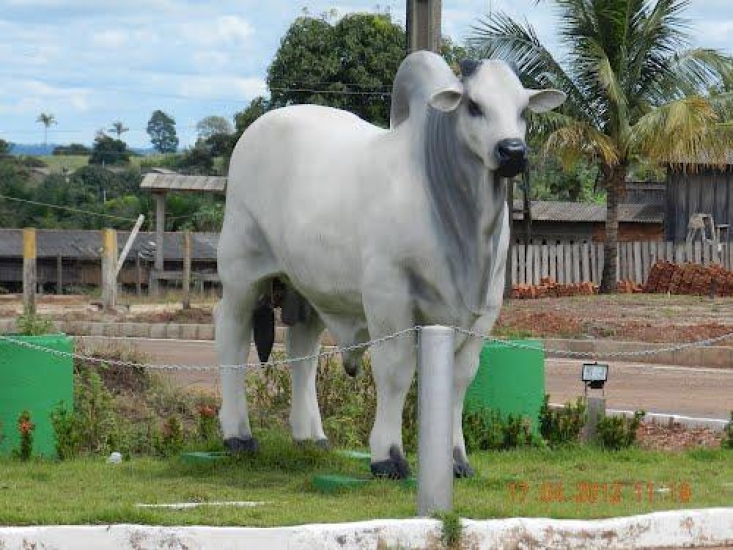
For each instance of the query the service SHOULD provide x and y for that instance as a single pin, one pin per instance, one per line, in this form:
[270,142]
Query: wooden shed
[576,222]
[704,190]
[74,257]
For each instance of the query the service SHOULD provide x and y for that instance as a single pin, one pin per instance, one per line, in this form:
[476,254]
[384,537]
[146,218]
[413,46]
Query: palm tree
[118,128]
[47,119]
[635,90]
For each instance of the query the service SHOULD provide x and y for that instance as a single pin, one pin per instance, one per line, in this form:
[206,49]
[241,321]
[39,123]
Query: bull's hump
[320,116]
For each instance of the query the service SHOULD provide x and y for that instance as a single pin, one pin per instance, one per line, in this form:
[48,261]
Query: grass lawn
[71,162]
[568,483]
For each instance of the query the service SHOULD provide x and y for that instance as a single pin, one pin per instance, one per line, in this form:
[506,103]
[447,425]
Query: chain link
[356,347]
[152,366]
[594,354]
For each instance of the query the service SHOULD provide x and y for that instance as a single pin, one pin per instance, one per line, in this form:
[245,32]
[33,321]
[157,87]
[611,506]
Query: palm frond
[577,140]
[683,131]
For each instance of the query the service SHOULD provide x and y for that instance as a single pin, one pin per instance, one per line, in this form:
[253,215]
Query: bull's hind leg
[304,339]
[233,336]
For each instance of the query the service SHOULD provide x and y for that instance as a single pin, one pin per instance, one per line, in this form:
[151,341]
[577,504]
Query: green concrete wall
[509,380]
[35,381]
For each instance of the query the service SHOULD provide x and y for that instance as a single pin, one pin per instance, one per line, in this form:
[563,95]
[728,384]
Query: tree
[47,119]
[73,149]
[162,131]
[108,150]
[635,90]
[213,125]
[243,119]
[118,128]
[349,65]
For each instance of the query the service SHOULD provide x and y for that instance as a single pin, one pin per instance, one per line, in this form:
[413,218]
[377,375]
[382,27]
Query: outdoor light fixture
[594,375]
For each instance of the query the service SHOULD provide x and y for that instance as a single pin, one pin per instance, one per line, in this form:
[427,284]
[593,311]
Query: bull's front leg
[393,366]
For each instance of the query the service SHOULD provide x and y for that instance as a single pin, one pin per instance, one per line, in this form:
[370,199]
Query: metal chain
[338,350]
[593,354]
[152,366]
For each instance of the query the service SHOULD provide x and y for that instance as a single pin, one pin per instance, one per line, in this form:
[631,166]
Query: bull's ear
[447,99]
[541,101]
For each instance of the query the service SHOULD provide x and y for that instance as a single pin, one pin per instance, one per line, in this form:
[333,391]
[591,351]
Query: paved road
[695,392]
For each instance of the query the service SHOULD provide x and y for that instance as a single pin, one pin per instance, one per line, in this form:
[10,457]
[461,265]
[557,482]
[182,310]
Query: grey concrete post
[596,410]
[435,420]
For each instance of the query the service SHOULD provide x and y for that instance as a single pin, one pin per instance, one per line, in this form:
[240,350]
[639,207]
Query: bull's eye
[474,109]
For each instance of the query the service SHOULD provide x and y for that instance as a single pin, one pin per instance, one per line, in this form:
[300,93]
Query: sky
[93,62]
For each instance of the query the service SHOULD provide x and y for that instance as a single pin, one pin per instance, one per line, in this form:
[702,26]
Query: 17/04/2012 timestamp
[589,492]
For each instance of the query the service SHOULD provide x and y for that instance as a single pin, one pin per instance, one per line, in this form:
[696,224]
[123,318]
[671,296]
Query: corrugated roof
[179,182]
[87,244]
[556,211]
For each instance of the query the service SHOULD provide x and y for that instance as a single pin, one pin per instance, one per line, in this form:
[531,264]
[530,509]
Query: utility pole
[423,22]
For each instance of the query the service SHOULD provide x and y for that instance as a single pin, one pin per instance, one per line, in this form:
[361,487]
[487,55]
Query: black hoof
[461,467]
[238,445]
[395,467]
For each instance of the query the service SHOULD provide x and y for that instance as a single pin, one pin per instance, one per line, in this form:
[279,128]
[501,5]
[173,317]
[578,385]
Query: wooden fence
[578,263]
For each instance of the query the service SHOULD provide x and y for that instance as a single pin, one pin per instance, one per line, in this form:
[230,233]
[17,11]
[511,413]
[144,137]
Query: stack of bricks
[696,279]
[548,288]
[627,286]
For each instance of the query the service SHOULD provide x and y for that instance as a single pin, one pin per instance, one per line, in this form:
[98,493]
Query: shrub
[486,429]
[618,432]
[170,440]
[95,417]
[207,426]
[25,429]
[727,440]
[32,325]
[67,432]
[451,530]
[562,426]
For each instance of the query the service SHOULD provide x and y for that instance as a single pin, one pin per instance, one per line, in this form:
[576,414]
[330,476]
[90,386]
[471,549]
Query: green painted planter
[35,381]
[509,380]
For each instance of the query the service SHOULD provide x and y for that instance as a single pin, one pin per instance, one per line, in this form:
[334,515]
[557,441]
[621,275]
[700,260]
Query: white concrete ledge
[672,529]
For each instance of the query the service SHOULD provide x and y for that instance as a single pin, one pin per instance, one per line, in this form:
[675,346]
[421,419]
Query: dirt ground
[631,317]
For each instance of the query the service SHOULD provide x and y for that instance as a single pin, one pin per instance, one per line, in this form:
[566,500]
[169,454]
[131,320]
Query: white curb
[672,529]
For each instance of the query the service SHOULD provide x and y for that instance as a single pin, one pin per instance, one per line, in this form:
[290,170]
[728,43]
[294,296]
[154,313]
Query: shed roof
[87,244]
[557,211]
[179,182]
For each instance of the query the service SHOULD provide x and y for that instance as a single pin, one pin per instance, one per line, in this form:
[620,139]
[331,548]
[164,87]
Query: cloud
[222,87]
[110,38]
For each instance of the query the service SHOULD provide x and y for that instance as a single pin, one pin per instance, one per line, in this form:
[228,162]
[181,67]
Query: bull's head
[490,105]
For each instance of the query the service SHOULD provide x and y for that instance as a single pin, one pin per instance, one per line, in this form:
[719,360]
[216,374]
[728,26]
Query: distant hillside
[38,149]
[32,149]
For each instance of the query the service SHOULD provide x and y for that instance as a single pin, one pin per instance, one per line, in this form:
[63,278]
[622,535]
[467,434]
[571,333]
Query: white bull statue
[367,232]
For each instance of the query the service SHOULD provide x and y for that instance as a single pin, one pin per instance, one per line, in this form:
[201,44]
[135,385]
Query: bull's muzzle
[511,157]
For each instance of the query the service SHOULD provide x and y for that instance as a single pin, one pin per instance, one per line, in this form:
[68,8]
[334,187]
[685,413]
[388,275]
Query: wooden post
[109,268]
[30,276]
[59,274]
[159,236]
[186,284]
[138,275]
[596,410]
[423,25]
